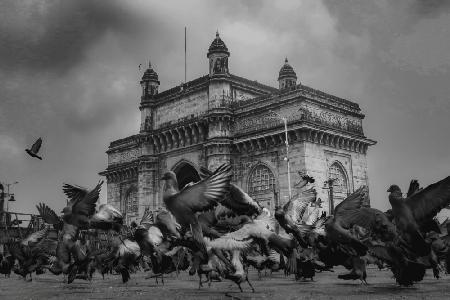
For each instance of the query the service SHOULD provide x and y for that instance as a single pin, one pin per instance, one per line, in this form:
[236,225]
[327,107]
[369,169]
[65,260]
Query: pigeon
[420,207]
[199,197]
[35,149]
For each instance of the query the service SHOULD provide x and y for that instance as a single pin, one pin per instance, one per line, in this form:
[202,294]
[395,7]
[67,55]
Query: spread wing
[413,187]
[425,204]
[85,205]
[35,237]
[147,218]
[74,193]
[237,200]
[295,208]
[207,193]
[48,214]
[356,200]
[36,146]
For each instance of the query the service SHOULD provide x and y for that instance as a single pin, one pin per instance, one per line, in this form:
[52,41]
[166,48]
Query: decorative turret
[150,85]
[149,82]
[287,76]
[218,57]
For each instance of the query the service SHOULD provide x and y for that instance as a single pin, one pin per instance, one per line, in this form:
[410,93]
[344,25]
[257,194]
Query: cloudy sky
[69,73]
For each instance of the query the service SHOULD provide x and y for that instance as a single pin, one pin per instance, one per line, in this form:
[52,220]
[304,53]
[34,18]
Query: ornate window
[340,185]
[131,202]
[261,180]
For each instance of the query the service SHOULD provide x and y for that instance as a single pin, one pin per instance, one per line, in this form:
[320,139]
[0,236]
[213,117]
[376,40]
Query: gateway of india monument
[223,118]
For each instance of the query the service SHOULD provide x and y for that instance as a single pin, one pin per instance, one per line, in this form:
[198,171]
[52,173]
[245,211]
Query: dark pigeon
[33,152]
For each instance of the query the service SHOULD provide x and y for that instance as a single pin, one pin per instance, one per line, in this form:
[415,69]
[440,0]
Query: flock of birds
[212,228]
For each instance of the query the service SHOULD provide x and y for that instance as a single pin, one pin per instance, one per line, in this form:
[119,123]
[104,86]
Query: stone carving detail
[330,119]
[305,113]
[125,156]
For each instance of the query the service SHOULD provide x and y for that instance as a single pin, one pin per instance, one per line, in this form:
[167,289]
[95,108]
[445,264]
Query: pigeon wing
[356,200]
[36,146]
[147,218]
[413,187]
[48,214]
[237,200]
[295,208]
[74,193]
[425,204]
[207,193]
[86,205]
[35,237]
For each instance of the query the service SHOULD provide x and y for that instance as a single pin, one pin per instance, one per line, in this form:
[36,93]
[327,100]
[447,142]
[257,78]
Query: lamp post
[328,185]
[11,196]
[284,119]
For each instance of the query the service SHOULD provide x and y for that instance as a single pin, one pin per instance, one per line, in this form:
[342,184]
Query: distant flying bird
[35,149]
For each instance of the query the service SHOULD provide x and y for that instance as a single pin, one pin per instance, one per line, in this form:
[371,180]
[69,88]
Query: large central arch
[186,173]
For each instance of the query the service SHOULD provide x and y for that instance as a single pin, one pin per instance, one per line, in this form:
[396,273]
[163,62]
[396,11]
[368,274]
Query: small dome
[150,74]
[286,71]
[218,46]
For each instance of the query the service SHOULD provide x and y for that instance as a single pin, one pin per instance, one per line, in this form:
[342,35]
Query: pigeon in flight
[35,149]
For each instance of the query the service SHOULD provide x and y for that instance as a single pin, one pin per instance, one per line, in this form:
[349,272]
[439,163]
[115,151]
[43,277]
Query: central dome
[218,46]
[287,71]
[150,74]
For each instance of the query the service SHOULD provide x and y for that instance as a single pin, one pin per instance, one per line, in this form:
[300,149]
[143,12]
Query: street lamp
[284,119]
[328,185]
[11,196]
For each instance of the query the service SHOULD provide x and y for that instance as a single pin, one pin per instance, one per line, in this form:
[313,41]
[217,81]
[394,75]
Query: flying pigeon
[422,205]
[35,149]
[199,197]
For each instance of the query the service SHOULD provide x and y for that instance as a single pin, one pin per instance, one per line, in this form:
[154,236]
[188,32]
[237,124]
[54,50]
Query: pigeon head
[394,188]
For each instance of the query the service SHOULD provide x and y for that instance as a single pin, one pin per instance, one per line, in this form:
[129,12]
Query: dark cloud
[430,8]
[69,72]
[54,35]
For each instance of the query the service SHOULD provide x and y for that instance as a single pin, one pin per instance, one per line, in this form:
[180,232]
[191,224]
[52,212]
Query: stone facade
[223,118]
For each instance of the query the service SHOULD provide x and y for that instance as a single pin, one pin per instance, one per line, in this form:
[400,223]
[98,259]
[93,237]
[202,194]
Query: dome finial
[217,33]
[286,60]
[149,64]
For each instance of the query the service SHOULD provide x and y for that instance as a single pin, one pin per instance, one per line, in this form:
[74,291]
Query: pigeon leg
[199,280]
[248,281]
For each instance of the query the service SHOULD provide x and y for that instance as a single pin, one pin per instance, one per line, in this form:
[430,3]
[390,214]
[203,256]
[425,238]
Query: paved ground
[326,286]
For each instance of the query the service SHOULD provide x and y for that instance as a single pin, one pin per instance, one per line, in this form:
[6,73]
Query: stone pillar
[147,184]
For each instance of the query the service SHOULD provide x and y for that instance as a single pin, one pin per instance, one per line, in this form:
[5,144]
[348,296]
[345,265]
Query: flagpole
[185,64]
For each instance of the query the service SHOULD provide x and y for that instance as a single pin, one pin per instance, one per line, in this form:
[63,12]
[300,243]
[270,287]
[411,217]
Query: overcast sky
[69,73]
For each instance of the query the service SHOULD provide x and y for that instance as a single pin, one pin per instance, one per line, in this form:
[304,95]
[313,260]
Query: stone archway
[186,173]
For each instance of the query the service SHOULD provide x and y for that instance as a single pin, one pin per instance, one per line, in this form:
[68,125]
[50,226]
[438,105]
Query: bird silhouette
[35,149]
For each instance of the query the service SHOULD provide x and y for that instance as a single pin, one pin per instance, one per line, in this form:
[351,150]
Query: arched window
[132,202]
[340,185]
[261,180]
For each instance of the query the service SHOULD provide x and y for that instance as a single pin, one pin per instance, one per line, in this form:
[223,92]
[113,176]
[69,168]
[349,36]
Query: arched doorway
[340,184]
[186,173]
